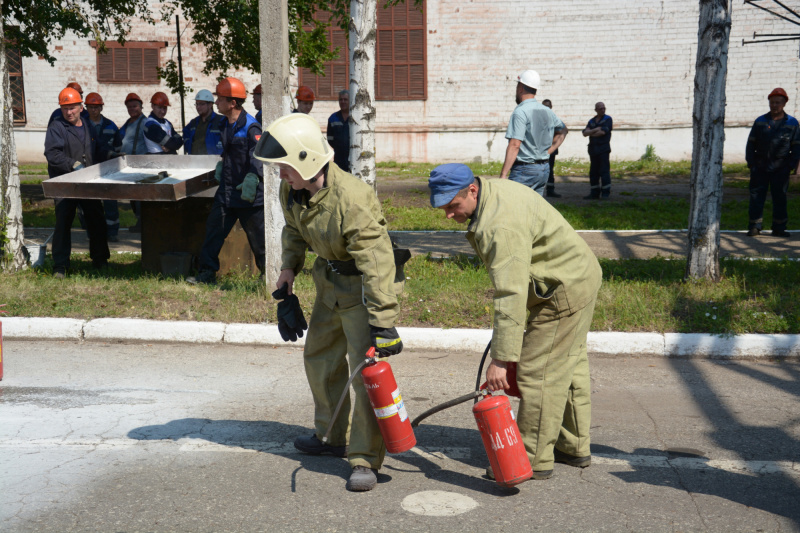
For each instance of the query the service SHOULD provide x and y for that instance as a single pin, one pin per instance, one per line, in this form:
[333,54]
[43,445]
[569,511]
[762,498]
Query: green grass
[637,295]
[45,217]
[567,167]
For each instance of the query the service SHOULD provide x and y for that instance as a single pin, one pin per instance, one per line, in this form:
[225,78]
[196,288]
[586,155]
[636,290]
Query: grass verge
[637,295]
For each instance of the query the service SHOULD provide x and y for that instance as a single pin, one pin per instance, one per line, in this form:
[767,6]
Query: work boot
[592,197]
[362,479]
[537,474]
[572,460]
[209,277]
[551,193]
[781,233]
[100,264]
[113,238]
[753,232]
[312,445]
[59,274]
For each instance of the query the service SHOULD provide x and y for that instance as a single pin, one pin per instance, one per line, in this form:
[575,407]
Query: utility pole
[273,17]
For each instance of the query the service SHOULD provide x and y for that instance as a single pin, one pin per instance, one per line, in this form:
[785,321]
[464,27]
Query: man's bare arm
[558,138]
[511,156]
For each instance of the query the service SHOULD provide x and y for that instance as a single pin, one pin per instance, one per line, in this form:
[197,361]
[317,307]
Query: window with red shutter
[400,66]
[16,85]
[135,61]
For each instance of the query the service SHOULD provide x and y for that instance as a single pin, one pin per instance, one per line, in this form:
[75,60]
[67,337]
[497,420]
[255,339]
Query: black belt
[535,162]
[344,268]
[348,268]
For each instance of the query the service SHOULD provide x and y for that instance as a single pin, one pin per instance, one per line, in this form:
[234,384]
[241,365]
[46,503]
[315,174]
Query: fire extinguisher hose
[445,405]
[461,399]
[345,392]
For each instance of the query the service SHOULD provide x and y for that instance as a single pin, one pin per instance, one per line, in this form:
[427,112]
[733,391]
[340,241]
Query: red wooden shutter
[337,72]
[136,61]
[402,53]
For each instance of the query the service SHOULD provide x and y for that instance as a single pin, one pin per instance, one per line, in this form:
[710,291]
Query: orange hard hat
[160,98]
[94,99]
[133,96]
[778,92]
[305,94]
[257,90]
[75,85]
[69,96]
[231,88]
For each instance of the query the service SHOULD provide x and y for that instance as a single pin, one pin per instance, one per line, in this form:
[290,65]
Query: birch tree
[708,123]
[363,30]
[10,201]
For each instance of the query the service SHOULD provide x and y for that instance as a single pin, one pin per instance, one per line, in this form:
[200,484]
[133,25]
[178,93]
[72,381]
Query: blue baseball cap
[446,180]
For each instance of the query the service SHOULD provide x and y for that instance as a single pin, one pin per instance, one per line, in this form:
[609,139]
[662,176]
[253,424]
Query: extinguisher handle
[371,353]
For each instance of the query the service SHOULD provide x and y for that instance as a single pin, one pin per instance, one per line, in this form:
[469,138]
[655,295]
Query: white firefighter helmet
[295,140]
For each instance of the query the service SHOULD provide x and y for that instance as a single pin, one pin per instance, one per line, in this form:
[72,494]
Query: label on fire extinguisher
[401,406]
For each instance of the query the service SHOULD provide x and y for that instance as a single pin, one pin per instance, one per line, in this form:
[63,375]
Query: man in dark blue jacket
[772,153]
[69,146]
[240,195]
[599,132]
[57,112]
[202,135]
[339,132]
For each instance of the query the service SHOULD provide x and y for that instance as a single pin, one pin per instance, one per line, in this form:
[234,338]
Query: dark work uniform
[599,150]
[773,150]
[339,139]
[107,142]
[64,145]
[238,142]
[203,137]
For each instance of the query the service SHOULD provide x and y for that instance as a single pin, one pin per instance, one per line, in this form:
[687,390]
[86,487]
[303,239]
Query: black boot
[551,192]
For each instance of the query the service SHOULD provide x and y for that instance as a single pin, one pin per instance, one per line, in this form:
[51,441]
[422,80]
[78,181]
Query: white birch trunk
[363,32]
[708,120]
[275,102]
[10,198]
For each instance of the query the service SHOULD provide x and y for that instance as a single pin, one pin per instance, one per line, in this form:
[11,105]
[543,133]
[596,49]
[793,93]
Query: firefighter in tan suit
[546,280]
[338,216]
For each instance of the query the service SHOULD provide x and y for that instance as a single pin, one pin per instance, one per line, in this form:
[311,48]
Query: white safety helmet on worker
[295,140]
[529,78]
[204,95]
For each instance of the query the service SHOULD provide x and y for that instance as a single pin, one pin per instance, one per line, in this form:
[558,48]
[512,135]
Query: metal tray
[121,178]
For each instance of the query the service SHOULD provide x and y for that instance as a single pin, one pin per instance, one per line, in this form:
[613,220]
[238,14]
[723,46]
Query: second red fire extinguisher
[502,441]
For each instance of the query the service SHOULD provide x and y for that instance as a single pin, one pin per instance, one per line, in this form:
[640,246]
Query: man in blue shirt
[772,153]
[339,132]
[599,132]
[534,132]
[106,145]
[201,136]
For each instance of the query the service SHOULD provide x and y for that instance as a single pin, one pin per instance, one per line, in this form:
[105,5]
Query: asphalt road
[126,437]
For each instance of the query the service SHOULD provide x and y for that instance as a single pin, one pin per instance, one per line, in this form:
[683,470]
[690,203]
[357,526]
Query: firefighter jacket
[213,136]
[106,138]
[63,146]
[160,136]
[342,222]
[238,144]
[537,263]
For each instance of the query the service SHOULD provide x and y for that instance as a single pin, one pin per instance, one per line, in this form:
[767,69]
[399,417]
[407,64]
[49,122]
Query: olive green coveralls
[546,280]
[342,222]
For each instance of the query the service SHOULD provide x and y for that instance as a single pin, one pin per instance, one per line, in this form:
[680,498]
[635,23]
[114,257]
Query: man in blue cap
[546,280]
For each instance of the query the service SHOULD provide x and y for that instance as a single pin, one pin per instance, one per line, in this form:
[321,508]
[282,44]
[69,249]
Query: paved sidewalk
[605,244]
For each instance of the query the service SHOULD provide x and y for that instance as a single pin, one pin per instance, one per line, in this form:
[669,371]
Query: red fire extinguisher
[384,395]
[502,441]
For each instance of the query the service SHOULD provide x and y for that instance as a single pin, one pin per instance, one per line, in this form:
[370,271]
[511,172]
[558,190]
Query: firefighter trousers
[334,336]
[553,378]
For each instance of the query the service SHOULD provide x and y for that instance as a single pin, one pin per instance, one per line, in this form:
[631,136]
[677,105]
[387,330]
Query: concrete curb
[436,339]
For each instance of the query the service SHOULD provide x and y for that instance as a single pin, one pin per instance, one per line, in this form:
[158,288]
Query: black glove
[291,322]
[385,340]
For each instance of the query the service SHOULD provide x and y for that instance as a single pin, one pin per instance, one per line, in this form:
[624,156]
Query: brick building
[445,75]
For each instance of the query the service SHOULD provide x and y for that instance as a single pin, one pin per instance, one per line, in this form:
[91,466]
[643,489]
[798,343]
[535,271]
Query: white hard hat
[295,140]
[204,95]
[529,78]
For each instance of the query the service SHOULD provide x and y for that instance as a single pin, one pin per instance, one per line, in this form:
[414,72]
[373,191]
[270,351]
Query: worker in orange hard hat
[257,102]
[772,154]
[68,147]
[107,142]
[240,195]
[305,99]
[159,133]
[75,86]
